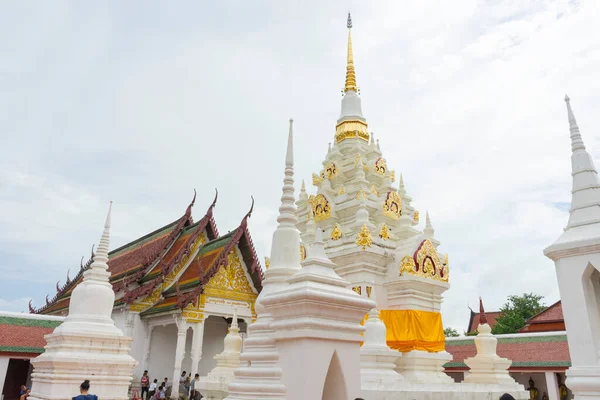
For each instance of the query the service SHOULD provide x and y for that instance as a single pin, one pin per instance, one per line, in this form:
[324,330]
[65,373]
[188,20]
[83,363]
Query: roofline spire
[576,140]
[482,317]
[350,72]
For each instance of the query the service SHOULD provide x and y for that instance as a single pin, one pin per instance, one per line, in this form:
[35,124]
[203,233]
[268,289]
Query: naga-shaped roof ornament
[31,308]
[245,220]
[188,212]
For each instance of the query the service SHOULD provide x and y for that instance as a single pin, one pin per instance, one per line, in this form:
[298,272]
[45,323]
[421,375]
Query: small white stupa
[487,367]
[377,360]
[214,385]
[87,345]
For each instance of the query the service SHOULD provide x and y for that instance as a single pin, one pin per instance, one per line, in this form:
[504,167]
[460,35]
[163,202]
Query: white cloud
[141,106]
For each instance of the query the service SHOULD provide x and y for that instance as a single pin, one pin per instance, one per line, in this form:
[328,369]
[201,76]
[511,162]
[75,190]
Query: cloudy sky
[140,102]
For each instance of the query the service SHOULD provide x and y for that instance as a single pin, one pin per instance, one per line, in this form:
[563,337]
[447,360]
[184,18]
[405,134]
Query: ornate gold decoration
[392,207]
[342,190]
[374,190]
[231,282]
[357,289]
[416,216]
[267,262]
[316,179]
[302,253]
[321,208]
[393,175]
[336,233]
[350,129]
[363,238]
[407,265]
[365,168]
[369,289]
[361,195]
[384,233]
[425,263]
[330,171]
[193,313]
[148,301]
[380,166]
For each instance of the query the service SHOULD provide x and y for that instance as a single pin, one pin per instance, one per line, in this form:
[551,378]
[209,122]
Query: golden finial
[350,74]
[363,238]
[336,233]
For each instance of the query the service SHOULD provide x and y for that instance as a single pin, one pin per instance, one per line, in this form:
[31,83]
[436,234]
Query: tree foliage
[451,332]
[516,311]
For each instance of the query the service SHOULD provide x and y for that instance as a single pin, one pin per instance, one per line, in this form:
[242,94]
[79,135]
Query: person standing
[182,386]
[195,394]
[187,385]
[145,381]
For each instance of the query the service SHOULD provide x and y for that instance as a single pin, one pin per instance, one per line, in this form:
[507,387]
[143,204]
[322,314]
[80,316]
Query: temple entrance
[335,386]
[17,374]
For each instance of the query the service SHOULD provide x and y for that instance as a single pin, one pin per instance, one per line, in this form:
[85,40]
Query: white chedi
[377,360]
[487,367]
[214,386]
[87,345]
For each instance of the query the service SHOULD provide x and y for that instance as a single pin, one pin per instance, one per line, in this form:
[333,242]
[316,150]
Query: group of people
[186,389]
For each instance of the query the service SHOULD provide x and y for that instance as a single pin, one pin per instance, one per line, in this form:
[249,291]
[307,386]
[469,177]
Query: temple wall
[138,345]
[162,352]
[539,380]
[215,329]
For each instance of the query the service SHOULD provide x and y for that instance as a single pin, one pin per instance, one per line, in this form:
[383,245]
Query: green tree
[517,311]
[450,332]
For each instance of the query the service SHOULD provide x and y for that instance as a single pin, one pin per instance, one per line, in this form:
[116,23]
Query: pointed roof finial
[428,231]
[289,155]
[101,256]
[576,141]
[234,319]
[350,73]
[482,317]
[303,188]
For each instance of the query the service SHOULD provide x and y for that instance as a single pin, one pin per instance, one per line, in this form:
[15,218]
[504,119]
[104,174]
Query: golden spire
[350,74]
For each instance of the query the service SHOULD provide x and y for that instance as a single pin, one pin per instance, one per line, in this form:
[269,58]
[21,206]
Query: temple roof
[551,319]
[23,334]
[138,267]
[525,350]
[474,320]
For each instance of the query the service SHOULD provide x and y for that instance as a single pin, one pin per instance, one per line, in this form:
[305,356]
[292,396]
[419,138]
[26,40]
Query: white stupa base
[71,358]
[439,391]
[377,370]
[584,382]
[489,369]
[425,367]
[213,389]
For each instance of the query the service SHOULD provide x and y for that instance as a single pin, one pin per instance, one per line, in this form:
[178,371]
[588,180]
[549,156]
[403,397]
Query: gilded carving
[361,195]
[357,160]
[342,190]
[321,208]
[392,207]
[302,253]
[329,172]
[230,282]
[369,289]
[425,263]
[267,262]
[364,238]
[380,166]
[357,289]
[374,190]
[316,179]
[393,175]
[416,216]
[384,233]
[336,233]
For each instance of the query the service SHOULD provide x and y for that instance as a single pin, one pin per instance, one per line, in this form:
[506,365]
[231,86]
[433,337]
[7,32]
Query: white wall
[162,352]
[215,329]
[3,368]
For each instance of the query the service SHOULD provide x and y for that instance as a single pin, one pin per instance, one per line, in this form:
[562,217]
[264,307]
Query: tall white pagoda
[370,230]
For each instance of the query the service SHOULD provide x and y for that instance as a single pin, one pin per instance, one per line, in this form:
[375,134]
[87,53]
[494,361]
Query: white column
[552,386]
[182,327]
[197,342]
[147,343]
[3,370]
